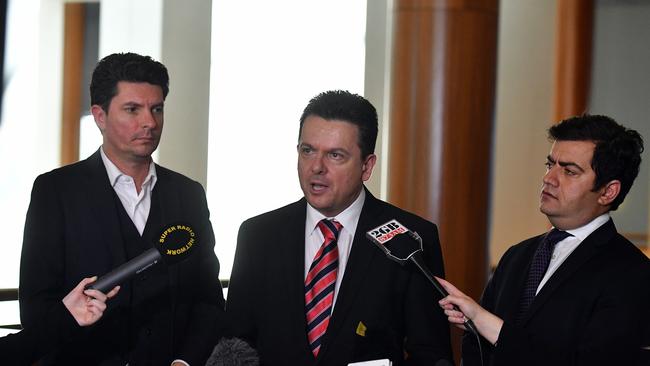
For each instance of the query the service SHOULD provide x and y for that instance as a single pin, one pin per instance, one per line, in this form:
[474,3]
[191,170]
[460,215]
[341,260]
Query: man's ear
[609,192]
[367,166]
[100,117]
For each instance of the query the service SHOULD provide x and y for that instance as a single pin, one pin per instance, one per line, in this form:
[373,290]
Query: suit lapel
[296,269]
[591,246]
[515,279]
[100,196]
[362,254]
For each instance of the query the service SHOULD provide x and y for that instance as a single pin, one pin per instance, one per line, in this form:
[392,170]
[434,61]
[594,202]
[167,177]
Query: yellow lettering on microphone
[167,231]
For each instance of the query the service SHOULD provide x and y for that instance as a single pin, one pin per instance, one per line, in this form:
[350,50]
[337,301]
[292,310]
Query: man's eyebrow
[565,163]
[338,150]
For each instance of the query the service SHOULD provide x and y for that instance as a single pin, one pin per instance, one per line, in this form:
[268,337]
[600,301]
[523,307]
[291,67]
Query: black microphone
[233,352]
[403,245]
[173,245]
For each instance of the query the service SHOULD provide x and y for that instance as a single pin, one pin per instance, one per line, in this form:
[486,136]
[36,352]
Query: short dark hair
[345,106]
[129,67]
[617,154]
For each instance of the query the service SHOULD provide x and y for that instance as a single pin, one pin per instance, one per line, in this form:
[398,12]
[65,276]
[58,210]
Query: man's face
[567,196]
[133,124]
[330,167]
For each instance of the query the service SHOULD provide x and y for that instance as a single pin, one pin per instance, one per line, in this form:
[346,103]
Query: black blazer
[29,344]
[590,312]
[396,304]
[73,231]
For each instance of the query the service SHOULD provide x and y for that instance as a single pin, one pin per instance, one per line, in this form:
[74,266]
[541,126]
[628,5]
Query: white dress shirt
[136,205]
[565,247]
[314,238]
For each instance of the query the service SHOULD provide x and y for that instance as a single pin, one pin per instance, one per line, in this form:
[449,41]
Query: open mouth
[318,187]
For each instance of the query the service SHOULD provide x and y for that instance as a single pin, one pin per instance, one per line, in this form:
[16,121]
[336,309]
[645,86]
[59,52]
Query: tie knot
[330,228]
[555,236]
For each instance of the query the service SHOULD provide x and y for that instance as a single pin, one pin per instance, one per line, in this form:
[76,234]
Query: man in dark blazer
[89,217]
[372,308]
[590,307]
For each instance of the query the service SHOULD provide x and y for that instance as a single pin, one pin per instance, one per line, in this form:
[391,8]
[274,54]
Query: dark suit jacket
[73,230]
[396,304]
[29,344]
[590,312]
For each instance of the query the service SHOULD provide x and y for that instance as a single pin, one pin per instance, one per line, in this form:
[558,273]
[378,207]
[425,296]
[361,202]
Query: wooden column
[72,74]
[442,110]
[573,44]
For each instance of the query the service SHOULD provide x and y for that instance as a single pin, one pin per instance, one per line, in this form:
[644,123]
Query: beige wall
[377,83]
[523,113]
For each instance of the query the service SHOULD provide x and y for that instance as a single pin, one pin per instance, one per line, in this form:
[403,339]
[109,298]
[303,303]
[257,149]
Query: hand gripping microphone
[173,245]
[402,245]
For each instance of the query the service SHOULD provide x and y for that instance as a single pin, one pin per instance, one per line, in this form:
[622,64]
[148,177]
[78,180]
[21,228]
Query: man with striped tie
[307,287]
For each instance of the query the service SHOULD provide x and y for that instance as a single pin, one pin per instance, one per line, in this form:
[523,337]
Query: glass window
[268,60]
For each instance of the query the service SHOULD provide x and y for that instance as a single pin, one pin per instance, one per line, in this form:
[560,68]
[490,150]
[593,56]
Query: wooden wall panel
[573,52]
[442,107]
[73,42]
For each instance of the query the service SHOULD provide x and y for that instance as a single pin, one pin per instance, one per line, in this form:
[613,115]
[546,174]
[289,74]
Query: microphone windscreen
[402,246]
[233,352]
[175,242]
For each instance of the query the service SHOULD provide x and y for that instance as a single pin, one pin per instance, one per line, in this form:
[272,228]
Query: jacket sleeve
[240,308]
[473,351]
[42,258]
[26,346]
[203,292]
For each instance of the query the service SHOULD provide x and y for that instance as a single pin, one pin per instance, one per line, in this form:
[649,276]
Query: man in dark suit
[583,297]
[307,287]
[91,216]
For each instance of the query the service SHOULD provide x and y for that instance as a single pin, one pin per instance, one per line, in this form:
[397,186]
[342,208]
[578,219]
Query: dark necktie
[538,268]
[320,283]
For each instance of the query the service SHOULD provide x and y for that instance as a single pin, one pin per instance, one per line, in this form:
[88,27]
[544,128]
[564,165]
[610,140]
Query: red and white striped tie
[320,283]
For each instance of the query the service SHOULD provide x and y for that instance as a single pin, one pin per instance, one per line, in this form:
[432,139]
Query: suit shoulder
[625,251]
[63,177]
[519,249]
[175,177]
[526,243]
[176,183]
[63,171]
[280,215]
[405,217]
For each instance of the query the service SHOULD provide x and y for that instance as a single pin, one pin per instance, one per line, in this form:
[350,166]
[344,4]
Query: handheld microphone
[403,245]
[174,244]
[233,352]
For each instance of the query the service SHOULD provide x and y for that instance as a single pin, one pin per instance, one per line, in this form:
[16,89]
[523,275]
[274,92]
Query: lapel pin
[361,329]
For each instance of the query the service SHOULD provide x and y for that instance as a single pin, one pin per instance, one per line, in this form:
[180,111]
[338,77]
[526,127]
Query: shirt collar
[114,173]
[584,231]
[348,217]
